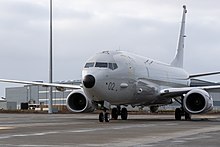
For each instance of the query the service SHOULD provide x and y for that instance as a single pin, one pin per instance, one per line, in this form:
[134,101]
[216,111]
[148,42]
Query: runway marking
[162,137]
[197,137]
[112,128]
[76,131]
[171,124]
[5,128]
[14,125]
[31,145]
[143,140]
[179,141]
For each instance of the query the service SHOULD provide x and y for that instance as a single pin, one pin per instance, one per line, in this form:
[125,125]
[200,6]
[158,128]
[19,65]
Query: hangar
[37,96]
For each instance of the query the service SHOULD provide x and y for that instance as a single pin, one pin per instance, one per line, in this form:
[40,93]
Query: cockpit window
[115,65]
[112,66]
[101,64]
[89,64]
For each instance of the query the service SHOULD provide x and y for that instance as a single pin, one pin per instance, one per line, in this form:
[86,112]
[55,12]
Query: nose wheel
[105,116]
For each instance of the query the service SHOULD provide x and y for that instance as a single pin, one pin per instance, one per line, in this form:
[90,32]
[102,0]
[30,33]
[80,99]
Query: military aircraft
[121,78]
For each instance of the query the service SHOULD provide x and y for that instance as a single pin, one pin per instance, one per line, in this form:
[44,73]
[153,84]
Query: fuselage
[123,78]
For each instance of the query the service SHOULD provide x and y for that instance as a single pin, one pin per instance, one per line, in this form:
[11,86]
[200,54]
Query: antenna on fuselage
[178,60]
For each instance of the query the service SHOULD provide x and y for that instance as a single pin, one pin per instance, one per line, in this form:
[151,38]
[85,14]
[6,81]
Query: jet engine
[77,101]
[197,101]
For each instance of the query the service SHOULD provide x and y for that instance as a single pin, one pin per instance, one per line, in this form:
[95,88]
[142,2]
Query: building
[3,104]
[37,96]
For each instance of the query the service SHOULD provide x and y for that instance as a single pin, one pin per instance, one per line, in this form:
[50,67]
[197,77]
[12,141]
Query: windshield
[101,64]
[111,66]
[89,64]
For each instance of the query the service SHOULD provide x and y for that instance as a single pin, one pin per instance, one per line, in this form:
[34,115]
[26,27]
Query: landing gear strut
[179,112]
[104,116]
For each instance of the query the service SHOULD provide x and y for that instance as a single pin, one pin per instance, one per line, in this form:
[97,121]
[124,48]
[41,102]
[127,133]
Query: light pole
[50,111]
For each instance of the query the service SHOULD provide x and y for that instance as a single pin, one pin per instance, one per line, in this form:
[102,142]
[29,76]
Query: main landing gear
[118,111]
[179,112]
[104,116]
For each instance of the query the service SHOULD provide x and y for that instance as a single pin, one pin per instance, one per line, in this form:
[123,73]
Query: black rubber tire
[187,116]
[124,114]
[107,117]
[178,114]
[115,113]
[101,117]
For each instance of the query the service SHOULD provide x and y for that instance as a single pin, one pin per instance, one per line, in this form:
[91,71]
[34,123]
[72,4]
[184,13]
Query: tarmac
[84,130]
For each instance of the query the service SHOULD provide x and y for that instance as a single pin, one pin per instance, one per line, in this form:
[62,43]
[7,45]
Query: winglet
[178,60]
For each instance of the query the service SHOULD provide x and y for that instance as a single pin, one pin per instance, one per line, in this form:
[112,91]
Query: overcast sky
[83,27]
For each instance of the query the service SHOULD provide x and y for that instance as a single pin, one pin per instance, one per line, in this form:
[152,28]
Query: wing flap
[41,84]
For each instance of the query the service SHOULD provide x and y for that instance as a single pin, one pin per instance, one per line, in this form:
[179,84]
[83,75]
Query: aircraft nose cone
[89,81]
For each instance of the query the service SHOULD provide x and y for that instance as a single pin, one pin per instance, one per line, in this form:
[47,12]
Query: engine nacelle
[197,101]
[77,101]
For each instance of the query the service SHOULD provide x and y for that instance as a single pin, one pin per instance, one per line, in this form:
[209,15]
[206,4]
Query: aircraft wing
[203,74]
[174,92]
[42,84]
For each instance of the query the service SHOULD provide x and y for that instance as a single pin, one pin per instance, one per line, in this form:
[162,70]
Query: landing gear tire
[101,117]
[178,114]
[187,116]
[104,117]
[107,117]
[124,114]
[115,113]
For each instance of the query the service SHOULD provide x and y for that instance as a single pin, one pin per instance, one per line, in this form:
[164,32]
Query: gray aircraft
[120,79]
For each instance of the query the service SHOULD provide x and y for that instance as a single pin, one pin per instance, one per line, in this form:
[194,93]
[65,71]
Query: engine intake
[77,101]
[197,101]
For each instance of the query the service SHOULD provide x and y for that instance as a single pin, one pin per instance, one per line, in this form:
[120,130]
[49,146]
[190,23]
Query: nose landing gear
[105,116]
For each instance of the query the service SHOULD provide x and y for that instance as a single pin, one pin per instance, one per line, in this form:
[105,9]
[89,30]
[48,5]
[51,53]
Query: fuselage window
[101,64]
[89,64]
